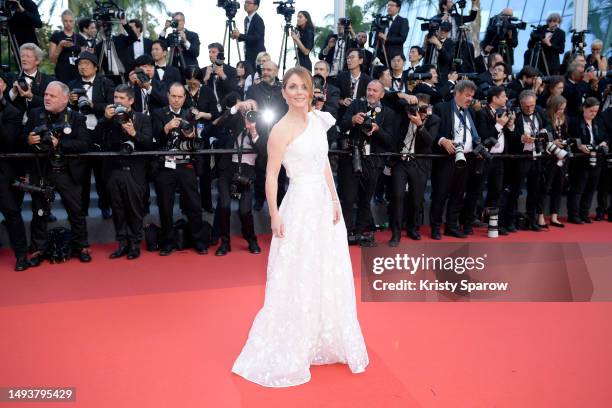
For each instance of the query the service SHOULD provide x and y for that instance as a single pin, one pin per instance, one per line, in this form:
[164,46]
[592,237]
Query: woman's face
[561,109]
[193,83]
[558,88]
[296,93]
[240,70]
[301,20]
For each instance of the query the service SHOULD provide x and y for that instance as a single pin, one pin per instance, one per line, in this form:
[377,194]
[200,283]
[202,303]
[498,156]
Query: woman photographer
[555,170]
[242,71]
[554,87]
[303,37]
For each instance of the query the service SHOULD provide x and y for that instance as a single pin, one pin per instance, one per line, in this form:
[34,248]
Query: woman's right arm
[276,149]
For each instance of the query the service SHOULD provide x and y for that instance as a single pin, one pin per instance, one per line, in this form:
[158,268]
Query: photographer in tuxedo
[326,96]
[174,126]
[57,130]
[337,47]
[527,140]
[185,43]
[89,95]
[150,93]
[440,49]
[165,73]
[457,138]
[449,13]
[126,131]
[395,34]
[577,88]
[254,33]
[142,45]
[25,21]
[552,40]
[219,76]
[10,202]
[119,63]
[352,83]
[417,129]
[237,172]
[527,78]
[438,91]
[584,171]
[500,31]
[370,128]
[89,32]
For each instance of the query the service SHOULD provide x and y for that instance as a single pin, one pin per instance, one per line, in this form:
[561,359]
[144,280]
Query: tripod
[283,51]
[503,51]
[176,51]
[462,41]
[376,46]
[537,55]
[5,31]
[107,52]
[230,25]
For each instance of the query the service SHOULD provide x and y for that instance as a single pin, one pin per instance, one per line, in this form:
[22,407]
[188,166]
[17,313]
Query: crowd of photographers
[441,113]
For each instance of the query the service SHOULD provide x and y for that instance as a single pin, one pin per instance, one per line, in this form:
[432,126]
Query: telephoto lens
[127,147]
[592,156]
[493,230]
[460,161]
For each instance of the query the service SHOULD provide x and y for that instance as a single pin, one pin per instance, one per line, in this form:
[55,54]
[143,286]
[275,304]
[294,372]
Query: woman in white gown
[309,314]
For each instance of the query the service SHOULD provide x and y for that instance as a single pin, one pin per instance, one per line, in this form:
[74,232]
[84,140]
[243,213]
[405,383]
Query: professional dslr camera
[419,76]
[540,139]
[177,139]
[346,22]
[7,9]
[413,109]
[46,191]
[230,7]
[84,105]
[505,24]
[46,132]
[431,25]
[122,114]
[239,184]
[579,41]
[380,23]
[318,85]
[141,75]
[285,9]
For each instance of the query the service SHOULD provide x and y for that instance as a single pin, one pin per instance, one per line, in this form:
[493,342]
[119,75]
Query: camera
[23,84]
[46,191]
[579,41]
[346,22]
[84,104]
[599,74]
[127,147]
[230,7]
[505,24]
[431,25]
[604,151]
[45,133]
[414,109]
[251,116]
[481,150]
[559,153]
[285,9]
[179,141]
[239,184]
[380,23]
[501,112]
[122,114]
[539,32]
[7,9]
[220,60]
[141,75]
[318,82]
[460,161]
[107,11]
[419,76]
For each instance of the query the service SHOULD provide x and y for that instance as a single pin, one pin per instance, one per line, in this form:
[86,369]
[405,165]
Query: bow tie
[160,67]
[28,76]
[88,83]
[138,40]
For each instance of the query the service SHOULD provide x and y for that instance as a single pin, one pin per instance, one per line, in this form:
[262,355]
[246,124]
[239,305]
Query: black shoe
[413,234]
[167,250]
[133,253]
[587,220]
[599,217]
[83,255]
[435,233]
[454,232]
[258,205]
[575,220]
[223,249]
[22,264]
[511,228]
[367,240]
[395,238]
[557,224]
[213,241]
[254,247]
[121,251]
[37,258]
[502,231]
[468,230]
[534,226]
[201,249]
[107,213]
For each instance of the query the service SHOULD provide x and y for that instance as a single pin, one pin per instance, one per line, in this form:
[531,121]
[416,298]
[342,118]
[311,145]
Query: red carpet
[164,332]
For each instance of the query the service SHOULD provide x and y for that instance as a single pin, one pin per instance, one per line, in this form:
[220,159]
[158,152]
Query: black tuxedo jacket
[114,136]
[39,84]
[10,138]
[551,53]
[22,25]
[232,126]
[424,140]
[396,37]
[158,98]
[123,45]
[147,44]
[191,55]
[343,82]
[102,94]
[205,102]
[485,124]
[515,145]
[445,56]
[447,125]
[440,93]
[574,92]
[224,86]
[329,57]
[171,75]
[254,39]
[578,129]
[76,141]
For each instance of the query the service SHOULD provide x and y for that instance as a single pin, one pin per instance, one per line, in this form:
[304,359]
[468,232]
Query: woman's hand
[337,212]
[278,227]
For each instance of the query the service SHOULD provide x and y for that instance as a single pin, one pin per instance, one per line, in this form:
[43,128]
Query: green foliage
[354,12]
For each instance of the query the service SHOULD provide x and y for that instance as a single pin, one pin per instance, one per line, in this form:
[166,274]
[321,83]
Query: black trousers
[554,179]
[415,173]
[583,181]
[10,209]
[128,207]
[245,203]
[358,189]
[70,193]
[528,172]
[206,183]
[448,184]
[493,178]
[604,204]
[166,183]
[104,200]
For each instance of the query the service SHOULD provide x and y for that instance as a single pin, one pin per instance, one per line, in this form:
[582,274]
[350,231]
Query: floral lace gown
[309,314]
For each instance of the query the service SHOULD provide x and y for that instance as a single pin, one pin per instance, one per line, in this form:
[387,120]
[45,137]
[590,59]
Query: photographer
[184,44]
[165,73]
[114,50]
[415,56]
[89,94]
[448,12]
[150,94]
[255,76]
[303,37]
[437,92]
[584,171]
[64,47]
[457,138]
[577,89]
[439,49]
[394,36]
[126,131]
[554,86]
[337,46]
[370,127]
[269,98]
[352,83]
[417,129]
[527,78]
[398,75]
[495,124]
[326,96]
[174,130]
[254,32]
[89,32]
[58,130]
[529,140]
[502,36]
[29,85]
[10,207]
[142,45]
[491,61]
[368,56]
[219,76]
[555,169]
[552,39]
[237,172]
[24,22]
[203,105]
[498,79]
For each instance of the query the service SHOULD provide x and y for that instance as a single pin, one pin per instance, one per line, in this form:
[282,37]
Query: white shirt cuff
[234,110]
[498,127]
[187,44]
[12,94]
